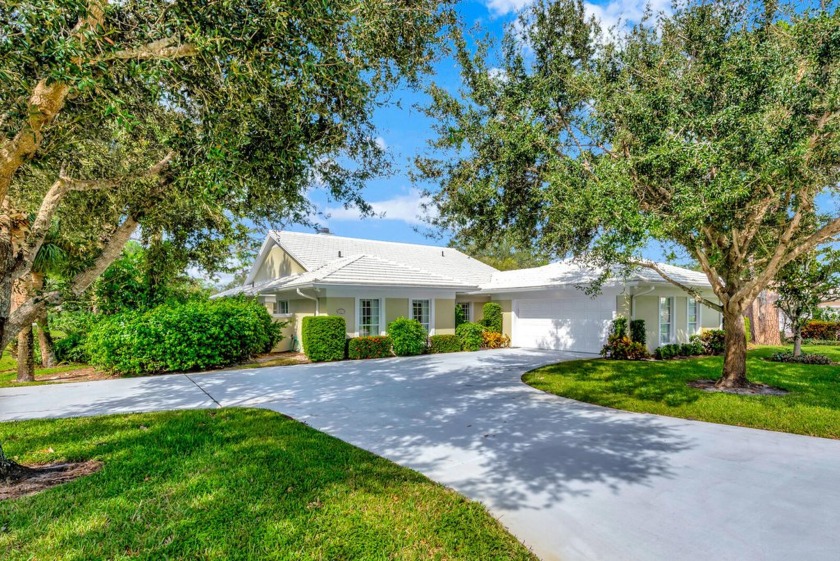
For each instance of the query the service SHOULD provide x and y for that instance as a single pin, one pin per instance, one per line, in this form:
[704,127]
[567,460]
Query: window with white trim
[281,307]
[693,316]
[666,320]
[466,310]
[421,310]
[369,317]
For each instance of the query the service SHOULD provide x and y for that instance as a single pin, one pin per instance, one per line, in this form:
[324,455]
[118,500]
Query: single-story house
[371,283]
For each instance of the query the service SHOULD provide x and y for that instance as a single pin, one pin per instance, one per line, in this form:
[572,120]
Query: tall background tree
[803,284]
[715,128]
[184,121]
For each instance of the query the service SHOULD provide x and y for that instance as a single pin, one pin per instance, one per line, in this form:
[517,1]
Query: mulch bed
[33,479]
[752,389]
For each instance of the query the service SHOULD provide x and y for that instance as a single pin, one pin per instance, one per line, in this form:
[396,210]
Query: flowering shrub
[825,330]
[713,341]
[369,347]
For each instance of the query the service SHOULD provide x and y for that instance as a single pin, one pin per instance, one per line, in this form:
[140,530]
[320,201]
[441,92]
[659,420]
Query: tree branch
[692,291]
[53,198]
[29,310]
[156,50]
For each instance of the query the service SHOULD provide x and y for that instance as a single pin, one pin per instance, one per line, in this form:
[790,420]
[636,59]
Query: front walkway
[571,480]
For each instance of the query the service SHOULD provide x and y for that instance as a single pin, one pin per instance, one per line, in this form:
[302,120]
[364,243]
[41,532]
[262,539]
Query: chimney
[339,253]
[325,231]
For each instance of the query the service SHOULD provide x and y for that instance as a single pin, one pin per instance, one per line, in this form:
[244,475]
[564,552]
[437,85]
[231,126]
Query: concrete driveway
[572,481]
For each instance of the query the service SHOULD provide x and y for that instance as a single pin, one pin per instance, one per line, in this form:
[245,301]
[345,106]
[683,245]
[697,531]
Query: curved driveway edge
[571,480]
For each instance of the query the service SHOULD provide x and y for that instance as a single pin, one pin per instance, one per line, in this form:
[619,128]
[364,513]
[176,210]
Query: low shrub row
[804,358]
[198,334]
[819,342]
[324,339]
[674,350]
[823,330]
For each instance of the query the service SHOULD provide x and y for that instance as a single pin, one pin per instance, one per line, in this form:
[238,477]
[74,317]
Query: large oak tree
[186,120]
[715,128]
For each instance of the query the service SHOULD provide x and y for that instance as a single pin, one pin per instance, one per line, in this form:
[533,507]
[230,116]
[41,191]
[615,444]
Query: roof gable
[313,251]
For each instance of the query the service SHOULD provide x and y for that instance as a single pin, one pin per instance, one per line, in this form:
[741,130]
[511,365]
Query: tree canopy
[715,128]
[187,120]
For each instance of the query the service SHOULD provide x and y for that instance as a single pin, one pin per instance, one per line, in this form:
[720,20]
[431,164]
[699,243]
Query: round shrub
[369,347]
[444,344]
[713,341]
[324,337]
[492,313]
[470,335]
[199,334]
[623,348]
[407,336]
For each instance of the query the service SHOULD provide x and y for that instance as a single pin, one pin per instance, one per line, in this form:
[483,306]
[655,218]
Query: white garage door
[573,322]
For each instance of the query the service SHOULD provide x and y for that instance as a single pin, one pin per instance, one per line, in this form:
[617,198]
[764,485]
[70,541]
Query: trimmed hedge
[470,335]
[369,347]
[407,336]
[444,344]
[199,334]
[323,338]
[492,320]
[619,327]
[823,330]
[638,333]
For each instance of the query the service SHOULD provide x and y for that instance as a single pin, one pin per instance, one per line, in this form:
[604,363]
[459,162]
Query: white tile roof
[571,273]
[334,260]
[316,250]
[354,270]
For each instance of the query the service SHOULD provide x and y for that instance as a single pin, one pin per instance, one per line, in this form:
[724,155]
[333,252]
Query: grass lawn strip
[812,406]
[232,484]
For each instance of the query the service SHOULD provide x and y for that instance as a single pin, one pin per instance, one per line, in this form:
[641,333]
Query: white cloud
[499,74]
[626,12]
[502,7]
[610,13]
[406,208]
[381,143]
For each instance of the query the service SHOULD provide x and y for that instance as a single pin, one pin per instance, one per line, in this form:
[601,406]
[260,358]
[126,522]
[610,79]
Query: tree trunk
[25,356]
[25,347]
[46,343]
[797,339]
[45,340]
[735,350]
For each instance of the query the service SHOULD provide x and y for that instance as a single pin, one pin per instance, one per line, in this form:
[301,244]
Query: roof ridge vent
[324,231]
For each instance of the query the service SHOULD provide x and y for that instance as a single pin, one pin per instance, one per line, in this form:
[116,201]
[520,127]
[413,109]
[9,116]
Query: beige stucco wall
[394,308]
[622,305]
[277,264]
[507,316]
[647,308]
[445,317]
[709,318]
[298,309]
[342,307]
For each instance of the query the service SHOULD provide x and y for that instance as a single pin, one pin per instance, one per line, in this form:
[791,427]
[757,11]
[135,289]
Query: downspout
[309,298]
[633,301]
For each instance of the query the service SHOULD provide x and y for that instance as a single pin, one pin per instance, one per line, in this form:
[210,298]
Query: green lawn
[812,407]
[233,484]
[8,371]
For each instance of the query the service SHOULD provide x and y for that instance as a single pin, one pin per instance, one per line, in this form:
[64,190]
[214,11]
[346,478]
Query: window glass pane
[420,310]
[665,310]
[368,317]
[281,307]
[665,323]
[465,310]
